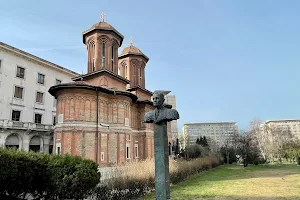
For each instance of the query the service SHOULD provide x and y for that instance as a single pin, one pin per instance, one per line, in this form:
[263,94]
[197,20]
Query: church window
[103,55]
[136,150]
[102,156]
[141,76]
[127,151]
[112,58]
[94,65]
[125,71]
[134,69]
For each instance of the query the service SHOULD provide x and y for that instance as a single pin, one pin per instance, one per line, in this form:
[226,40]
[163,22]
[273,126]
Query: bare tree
[247,147]
[281,136]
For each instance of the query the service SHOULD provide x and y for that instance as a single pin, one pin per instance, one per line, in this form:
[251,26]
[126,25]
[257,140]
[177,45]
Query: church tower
[132,63]
[102,41]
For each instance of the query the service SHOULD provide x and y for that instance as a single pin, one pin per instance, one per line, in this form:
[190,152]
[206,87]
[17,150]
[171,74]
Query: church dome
[103,26]
[132,50]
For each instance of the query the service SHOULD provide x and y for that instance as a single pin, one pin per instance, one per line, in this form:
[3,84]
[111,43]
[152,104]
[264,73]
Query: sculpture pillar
[161,154]
[159,117]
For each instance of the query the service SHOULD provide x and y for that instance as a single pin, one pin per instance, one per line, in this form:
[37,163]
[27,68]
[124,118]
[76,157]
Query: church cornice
[100,72]
[83,85]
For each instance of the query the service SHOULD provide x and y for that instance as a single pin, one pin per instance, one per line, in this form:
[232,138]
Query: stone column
[26,141]
[46,144]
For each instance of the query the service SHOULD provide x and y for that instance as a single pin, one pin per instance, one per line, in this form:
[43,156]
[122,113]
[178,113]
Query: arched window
[103,55]
[35,144]
[12,141]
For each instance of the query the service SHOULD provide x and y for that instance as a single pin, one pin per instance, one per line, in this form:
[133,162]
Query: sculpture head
[158,99]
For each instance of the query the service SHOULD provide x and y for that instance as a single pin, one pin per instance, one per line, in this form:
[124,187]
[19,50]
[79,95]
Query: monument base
[161,154]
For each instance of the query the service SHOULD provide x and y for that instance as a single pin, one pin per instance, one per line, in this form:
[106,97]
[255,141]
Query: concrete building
[215,132]
[291,125]
[27,110]
[171,99]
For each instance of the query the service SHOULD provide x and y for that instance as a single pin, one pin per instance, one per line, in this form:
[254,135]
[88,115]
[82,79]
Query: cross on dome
[131,41]
[102,16]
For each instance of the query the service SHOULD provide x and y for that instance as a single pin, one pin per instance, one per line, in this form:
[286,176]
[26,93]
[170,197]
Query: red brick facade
[113,93]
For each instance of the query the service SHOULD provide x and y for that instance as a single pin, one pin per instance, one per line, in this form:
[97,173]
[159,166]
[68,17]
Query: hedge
[45,176]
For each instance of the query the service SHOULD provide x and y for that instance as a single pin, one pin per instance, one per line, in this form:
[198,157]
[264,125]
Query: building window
[39,97]
[136,150]
[103,55]
[16,115]
[127,152]
[20,72]
[18,92]
[0,65]
[58,151]
[102,156]
[54,120]
[57,82]
[37,118]
[112,57]
[41,78]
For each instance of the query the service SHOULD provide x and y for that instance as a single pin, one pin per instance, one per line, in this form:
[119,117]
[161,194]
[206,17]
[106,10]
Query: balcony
[7,124]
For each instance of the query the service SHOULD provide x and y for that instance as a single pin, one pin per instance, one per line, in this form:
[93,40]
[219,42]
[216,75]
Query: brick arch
[115,113]
[91,40]
[103,39]
[114,42]
[121,113]
[103,82]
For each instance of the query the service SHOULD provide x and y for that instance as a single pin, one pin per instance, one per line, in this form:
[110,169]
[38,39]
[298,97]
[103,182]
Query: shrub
[137,179]
[43,175]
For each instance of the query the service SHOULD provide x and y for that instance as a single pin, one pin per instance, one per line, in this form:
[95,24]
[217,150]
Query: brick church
[100,114]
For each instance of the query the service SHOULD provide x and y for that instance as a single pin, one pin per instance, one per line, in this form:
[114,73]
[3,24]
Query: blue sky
[224,60]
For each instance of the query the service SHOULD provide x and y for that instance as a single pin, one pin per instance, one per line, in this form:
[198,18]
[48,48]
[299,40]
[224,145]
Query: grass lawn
[236,182]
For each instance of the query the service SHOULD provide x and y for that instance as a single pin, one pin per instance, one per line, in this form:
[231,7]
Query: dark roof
[139,87]
[83,85]
[103,26]
[101,71]
[28,55]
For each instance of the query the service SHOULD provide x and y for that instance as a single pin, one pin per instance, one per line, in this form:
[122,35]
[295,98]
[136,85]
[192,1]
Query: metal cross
[131,41]
[102,16]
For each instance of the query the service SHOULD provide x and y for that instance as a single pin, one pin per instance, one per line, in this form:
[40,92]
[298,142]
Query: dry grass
[136,179]
[236,182]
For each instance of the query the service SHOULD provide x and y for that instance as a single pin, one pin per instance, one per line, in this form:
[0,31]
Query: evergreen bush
[45,176]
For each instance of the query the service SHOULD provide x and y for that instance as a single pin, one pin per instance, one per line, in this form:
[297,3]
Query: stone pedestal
[162,176]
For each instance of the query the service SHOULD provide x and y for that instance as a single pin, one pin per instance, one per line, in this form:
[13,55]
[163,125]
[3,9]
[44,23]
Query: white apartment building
[292,125]
[27,110]
[215,132]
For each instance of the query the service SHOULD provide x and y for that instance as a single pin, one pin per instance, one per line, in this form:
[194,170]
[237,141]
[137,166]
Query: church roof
[132,50]
[84,85]
[104,26]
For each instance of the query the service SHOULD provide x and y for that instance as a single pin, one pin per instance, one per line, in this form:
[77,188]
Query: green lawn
[236,182]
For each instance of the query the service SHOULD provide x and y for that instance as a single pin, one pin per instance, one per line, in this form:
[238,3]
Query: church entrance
[12,141]
[35,144]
